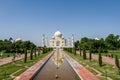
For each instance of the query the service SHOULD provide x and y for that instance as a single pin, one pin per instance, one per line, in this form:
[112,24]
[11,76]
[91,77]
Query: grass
[114,52]
[7,69]
[111,70]
[6,55]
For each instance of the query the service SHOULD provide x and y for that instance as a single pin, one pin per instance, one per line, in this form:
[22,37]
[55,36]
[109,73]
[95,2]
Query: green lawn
[7,69]
[111,70]
[114,52]
[6,55]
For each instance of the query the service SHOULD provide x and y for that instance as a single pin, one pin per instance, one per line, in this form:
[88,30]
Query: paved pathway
[9,60]
[83,73]
[108,60]
[29,73]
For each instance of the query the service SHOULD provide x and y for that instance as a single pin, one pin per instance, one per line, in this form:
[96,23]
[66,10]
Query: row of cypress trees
[73,50]
[34,50]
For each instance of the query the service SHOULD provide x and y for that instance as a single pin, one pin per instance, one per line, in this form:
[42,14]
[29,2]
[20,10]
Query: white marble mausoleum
[57,41]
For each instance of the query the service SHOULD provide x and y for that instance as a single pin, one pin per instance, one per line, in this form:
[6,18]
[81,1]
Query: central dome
[58,34]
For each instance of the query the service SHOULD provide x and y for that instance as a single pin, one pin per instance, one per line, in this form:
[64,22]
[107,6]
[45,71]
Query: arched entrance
[57,43]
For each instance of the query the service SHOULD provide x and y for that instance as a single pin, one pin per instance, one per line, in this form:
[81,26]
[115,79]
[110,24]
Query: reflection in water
[58,58]
[52,71]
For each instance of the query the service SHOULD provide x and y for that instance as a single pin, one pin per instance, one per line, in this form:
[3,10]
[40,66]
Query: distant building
[18,39]
[97,38]
[57,41]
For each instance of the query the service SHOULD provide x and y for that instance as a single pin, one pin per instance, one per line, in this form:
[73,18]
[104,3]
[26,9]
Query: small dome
[58,34]
[18,39]
[97,38]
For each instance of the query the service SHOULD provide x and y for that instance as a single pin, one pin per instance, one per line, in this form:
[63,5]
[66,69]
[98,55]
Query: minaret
[47,44]
[68,42]
[43,40]
[72,40]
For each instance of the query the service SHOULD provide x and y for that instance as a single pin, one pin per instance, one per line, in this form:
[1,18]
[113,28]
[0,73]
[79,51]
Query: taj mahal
[57,41]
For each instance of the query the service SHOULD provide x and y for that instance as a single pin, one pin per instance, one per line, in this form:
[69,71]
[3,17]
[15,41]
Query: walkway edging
[82,72]
[73,68]
[30,73]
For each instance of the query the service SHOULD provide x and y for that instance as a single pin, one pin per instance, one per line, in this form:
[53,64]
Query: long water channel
[56,68]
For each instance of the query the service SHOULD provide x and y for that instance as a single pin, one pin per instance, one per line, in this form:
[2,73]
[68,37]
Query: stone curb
[81,71]
[30,73]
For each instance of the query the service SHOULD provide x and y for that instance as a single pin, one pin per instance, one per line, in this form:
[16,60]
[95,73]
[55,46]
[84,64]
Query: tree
[32,46]
[84,42]
[25,59]
[76,44]
[118,44]
[27,45]
[18,46]
[87,43]
[35,52]
[90,55]
[7,46]
[12,47]
[39,51]
[100,60]
[117,64]
[117,41]
[111,41]
[74,51]
[43,49]
[80,51]
[84,54]
[31,54]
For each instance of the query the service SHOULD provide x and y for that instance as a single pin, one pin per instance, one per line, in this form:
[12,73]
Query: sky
[29,19]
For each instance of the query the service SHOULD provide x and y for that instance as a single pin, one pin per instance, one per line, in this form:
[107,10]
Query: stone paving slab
[82,72]
[29,73]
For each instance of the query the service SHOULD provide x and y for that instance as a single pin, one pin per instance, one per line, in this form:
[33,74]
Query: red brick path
[29,73]
[108,60]
[9,60]
[83,73]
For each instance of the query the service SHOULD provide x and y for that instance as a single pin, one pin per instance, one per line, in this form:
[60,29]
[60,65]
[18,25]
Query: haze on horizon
[29,19]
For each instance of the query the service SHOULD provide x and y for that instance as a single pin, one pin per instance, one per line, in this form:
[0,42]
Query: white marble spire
[47,42]
[43,40]
[72,40]
[68,42]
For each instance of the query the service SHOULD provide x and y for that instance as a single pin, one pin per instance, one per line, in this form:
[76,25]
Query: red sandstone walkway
[83,73]
[9,60]
[29,73]
[108,60]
